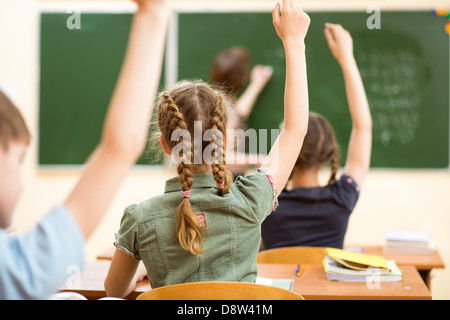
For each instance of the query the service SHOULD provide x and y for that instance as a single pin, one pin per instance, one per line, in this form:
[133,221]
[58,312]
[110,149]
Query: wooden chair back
[292,255]
[219,290]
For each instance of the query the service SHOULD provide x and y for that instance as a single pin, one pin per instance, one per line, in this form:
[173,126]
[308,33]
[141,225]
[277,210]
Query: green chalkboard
[78,72]
[404,66]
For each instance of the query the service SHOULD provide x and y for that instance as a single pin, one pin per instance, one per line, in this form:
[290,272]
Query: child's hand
[292,25]
[340,42]
[260,75]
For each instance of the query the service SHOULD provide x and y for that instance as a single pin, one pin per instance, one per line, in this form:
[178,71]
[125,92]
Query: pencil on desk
[299,270]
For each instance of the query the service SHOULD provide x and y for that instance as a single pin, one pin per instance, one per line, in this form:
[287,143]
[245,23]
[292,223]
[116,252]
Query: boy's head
[14,138]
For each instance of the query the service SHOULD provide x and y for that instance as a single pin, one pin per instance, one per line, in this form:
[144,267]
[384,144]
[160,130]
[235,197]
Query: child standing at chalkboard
[33,265]
[309,214]
[205,226]
[230,72]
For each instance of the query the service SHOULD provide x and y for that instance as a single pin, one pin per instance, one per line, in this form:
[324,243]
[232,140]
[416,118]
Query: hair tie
[221,185]
[187,194]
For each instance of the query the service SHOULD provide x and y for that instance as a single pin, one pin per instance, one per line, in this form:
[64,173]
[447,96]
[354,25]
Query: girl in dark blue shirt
[314,215]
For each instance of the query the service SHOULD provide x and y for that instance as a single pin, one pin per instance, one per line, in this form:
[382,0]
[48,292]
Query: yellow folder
[362,259]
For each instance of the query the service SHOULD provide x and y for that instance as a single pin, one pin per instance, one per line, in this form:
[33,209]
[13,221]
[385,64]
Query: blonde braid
[221,173]
[188,229]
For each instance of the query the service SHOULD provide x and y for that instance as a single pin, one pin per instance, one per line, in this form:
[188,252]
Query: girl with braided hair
[207,226]
[311,215]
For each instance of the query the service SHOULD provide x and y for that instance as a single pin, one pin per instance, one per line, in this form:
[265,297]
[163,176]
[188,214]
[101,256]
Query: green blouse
[231,234]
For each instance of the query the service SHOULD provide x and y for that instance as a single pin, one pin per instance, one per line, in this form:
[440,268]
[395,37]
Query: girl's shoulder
[345,191]
[346,182]
[141,209]
[259,180]
[258,190]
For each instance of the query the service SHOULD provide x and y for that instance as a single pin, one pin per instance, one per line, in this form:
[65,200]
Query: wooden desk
[423,262]
[420,261]
[107,254]
[312,284]
[91,282]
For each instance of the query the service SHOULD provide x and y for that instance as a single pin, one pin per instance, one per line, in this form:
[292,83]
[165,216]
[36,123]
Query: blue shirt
[314,217]
[35,264]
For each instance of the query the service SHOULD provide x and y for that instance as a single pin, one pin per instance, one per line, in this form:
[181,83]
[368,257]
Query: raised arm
[360,144]
[259,77]
[291,26]
[128,117]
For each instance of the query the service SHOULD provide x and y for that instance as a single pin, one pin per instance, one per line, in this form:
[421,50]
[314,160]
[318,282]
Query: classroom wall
[390,199]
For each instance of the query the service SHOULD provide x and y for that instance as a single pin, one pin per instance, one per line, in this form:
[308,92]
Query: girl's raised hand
[340,42]
[291,23]
[360,145]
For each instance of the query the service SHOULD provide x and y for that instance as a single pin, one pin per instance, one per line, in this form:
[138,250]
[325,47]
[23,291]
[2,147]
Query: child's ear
[164,146]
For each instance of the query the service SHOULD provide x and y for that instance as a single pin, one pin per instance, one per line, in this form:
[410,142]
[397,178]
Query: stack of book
[341,265]
[409,242]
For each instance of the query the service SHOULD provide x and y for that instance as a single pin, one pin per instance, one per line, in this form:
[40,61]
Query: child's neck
[201,169]
[305,178]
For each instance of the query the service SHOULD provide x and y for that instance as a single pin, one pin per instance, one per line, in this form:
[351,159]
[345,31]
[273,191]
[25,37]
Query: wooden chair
[219,290]
[292,255]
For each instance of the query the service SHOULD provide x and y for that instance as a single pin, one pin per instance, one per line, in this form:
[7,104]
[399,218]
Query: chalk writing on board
[394,93]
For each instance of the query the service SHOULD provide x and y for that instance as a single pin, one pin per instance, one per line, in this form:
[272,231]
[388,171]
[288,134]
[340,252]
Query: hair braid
[188,229]
[181,108]
[221,173]
[319,148]
[334,166]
